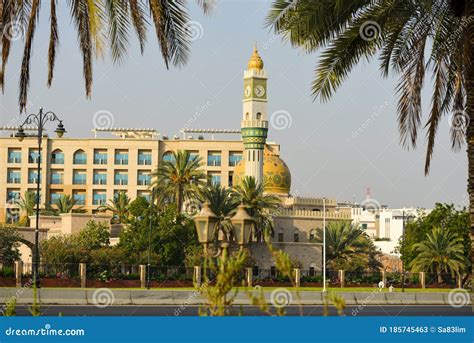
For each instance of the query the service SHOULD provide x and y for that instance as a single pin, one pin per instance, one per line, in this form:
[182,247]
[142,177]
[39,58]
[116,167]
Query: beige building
[93,170]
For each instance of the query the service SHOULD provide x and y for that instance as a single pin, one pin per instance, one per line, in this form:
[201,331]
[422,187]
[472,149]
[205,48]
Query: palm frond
[53,42]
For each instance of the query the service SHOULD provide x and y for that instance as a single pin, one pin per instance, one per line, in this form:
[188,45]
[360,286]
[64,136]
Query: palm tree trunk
[470,112]
[179,199]
[440,278]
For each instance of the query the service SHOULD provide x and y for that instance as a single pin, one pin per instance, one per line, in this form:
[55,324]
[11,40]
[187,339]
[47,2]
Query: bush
[7,272]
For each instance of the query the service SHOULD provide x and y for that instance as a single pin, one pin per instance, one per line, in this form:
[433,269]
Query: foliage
[442,251]
[94,235]
[10,308]
[223,203]
[119,206]
[100,23]
[171,235]
[9,244]
[445,216]
[260,206]
[348,247]
[177,180]
[27,205]
[139,207]
[399,33]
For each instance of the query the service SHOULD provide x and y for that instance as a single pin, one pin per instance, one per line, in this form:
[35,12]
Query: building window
[100,177]
[234,158]
[33,176]
[79,197]
[168,157]
[231,179]
[312,235]
[121,178]
[13,176]
[296,236]
[33,190]
[364,226]
[100,157]
[33,156]
[57,157]
[14,156]
[387,227]
[193,154]
[121,157]
[312,270]
[144,178]
[54,197]
[214,158]
[273,271]
[255,271]
[12,215]
[280,236]
[13,195]
[259,116]
[144,157]
[215,178]
[79,177]
[99,198]
[80,157]
[145,195]
[57,177]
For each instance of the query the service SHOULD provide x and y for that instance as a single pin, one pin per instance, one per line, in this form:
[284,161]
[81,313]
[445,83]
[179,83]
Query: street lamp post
[324,244]
[40,121]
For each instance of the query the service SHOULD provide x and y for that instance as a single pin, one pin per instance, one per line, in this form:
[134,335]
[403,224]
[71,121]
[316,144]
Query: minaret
[254,121]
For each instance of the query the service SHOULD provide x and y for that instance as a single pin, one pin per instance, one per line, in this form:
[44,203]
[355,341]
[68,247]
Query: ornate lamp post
[40,121]
[205,223]
[242,224]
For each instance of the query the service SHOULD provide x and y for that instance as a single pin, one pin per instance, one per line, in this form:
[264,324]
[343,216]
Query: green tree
[139,207]
[443,215]
[94,235]
[27,205]
[9,243]
[411,38]
[178,180]
[260,206]
[172,235]
[119,206]
[348,247]
[441,251]
[99,23]
[223,203]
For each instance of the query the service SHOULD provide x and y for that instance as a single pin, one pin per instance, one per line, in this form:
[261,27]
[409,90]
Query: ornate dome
[255,61]
[276,174]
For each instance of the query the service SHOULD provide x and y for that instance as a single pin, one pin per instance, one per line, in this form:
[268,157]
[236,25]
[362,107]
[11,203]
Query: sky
[336,149]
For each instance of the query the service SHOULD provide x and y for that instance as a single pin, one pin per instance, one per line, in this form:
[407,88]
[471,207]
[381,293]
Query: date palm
[65,204]
[223,203]
[98,23]
[27,204]
[442,251]
[413,38]
[260,206]
[178,180]
[119,207]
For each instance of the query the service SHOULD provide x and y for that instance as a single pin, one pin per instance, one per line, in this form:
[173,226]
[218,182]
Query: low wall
[190,297]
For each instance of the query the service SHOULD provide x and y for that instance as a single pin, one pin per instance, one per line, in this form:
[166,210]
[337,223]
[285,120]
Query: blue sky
[336,149]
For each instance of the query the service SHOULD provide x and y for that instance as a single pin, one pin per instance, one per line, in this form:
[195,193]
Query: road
[309,310]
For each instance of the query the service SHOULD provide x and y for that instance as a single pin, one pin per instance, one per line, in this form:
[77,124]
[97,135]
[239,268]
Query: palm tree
[98,23]
[223,203]
[178,180]
[409,38]
[343,242]
[27,205]
[65,204]
[442,251]
[260,206]
[119,206]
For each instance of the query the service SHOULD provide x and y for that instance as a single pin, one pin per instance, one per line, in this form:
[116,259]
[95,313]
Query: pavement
[192,310]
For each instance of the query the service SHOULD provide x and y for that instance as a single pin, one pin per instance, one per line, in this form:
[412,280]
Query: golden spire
[255,61]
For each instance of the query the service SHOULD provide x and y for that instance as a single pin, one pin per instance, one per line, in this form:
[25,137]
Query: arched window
[247,116]
[296,236]
[57,157]
[168,156]
[259,116]
[80,157]
[312,235]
